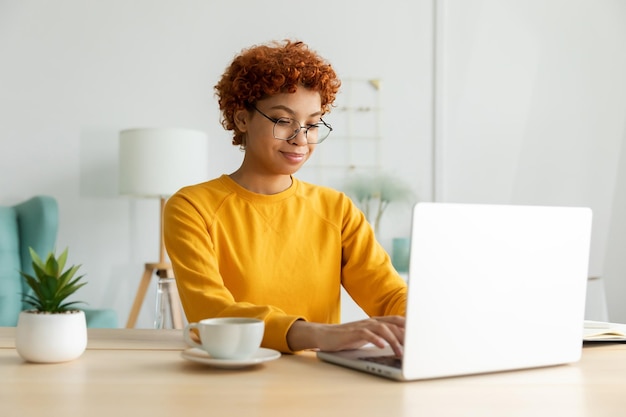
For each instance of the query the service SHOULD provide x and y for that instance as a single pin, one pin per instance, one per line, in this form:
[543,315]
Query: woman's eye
[283,121]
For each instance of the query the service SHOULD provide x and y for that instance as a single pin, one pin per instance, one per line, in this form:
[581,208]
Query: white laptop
[491,288]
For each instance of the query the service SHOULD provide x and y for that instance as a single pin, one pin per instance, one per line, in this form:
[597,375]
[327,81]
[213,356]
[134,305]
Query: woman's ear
[241,119]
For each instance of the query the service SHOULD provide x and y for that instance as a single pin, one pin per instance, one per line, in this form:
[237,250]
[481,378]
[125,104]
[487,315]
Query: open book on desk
[601,331]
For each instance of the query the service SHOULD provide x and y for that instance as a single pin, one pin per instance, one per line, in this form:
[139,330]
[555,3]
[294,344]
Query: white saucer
[200,356]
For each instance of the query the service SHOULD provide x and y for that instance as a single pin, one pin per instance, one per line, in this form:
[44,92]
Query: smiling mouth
[293,155]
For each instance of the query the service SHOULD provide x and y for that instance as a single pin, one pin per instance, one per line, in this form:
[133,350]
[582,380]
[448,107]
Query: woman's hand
[379,331]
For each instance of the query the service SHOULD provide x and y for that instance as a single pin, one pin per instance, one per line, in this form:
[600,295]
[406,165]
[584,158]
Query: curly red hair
[262,71]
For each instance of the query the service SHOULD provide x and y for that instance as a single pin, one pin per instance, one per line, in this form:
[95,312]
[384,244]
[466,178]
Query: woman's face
[267,155]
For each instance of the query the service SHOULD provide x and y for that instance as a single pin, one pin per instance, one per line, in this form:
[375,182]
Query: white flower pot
[49,338]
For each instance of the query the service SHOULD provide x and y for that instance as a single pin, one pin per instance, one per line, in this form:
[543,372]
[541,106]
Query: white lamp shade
[156,162]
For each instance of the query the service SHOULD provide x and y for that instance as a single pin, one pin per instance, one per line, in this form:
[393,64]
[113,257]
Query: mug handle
[187,336]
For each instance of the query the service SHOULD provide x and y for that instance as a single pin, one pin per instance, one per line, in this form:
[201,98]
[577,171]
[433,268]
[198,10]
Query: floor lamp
[155,163]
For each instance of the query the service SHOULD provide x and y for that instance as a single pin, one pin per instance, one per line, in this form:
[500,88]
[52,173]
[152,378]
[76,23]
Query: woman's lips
[294,157]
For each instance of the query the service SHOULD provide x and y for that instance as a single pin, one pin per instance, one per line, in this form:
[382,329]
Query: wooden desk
[138,372]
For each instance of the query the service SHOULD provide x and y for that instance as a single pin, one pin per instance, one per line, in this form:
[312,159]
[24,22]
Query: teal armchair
[33,223]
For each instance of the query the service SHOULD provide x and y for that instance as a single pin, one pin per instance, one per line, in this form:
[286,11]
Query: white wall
[531,109]
[75,72]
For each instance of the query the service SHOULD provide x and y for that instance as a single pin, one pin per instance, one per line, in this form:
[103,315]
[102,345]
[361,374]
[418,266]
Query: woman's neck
[262,184]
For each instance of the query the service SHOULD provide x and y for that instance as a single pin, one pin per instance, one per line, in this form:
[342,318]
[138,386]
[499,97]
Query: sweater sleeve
[368,274]
[201,287]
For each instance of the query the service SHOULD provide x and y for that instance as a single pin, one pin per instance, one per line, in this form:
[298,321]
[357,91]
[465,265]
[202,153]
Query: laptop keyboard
[392,361]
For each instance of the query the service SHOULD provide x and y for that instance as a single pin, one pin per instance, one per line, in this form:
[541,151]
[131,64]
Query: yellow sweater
[280,257]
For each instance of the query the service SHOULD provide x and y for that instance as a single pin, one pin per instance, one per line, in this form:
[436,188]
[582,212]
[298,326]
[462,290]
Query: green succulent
[51,284]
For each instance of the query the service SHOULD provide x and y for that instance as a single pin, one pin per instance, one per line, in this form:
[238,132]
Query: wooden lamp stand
[163,270]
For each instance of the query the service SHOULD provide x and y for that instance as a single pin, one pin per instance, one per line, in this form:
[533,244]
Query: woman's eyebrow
[289,110]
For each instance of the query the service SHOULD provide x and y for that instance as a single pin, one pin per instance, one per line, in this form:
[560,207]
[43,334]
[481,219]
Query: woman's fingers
[378,331]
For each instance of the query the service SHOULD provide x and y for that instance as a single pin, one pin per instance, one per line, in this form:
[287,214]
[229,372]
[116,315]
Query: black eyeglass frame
[306,128]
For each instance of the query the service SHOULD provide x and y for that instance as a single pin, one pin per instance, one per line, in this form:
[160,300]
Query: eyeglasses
[287,129]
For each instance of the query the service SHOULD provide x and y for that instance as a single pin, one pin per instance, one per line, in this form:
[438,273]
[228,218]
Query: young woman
[259,242]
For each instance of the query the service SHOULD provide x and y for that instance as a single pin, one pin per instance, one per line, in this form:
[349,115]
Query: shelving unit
[355,143]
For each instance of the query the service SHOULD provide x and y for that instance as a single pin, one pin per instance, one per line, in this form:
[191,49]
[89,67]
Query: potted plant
[373,193]
[53,330]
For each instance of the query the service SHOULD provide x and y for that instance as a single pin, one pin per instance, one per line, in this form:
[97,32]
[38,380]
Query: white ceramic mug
[227,337]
